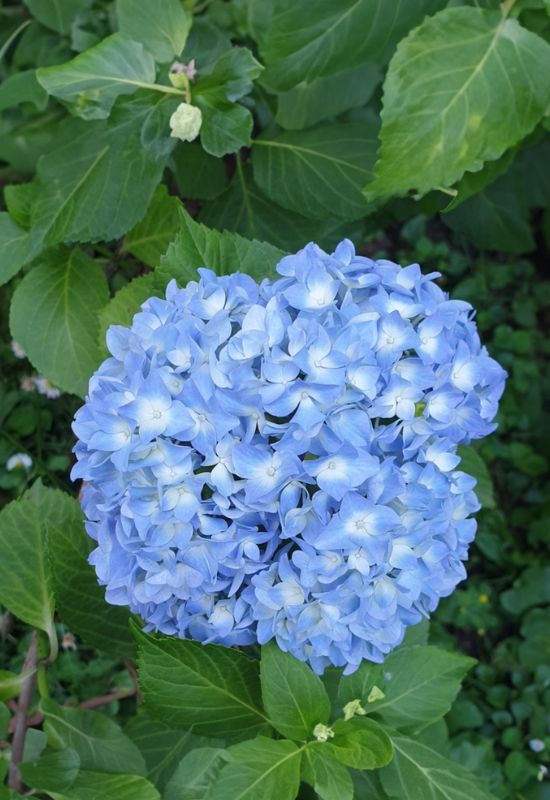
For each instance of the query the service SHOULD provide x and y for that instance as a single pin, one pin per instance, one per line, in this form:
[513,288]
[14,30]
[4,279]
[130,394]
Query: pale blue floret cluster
[279,460]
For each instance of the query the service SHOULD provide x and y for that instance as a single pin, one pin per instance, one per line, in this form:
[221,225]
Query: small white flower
[536,745]
[19,461]
[69,642]
[27,384]
[542,773]
[185,122]
[46,387]
[17,350]
[322,732]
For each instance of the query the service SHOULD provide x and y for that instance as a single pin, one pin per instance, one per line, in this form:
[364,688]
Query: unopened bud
[185,122]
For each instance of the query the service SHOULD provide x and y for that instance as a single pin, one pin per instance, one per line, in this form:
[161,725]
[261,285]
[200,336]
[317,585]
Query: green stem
[160,87]
[506,7]
[9,41]
[41,677]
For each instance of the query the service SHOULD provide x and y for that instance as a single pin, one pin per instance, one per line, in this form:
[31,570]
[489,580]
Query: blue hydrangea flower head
[279,461]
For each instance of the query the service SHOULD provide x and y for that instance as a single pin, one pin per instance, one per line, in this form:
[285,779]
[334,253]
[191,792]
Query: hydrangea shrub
[279,460]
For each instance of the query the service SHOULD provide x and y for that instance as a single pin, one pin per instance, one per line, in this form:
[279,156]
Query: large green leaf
[91,82]
[230,77]
[198,246]
[244,209]
[99,742]
[58,15]
[91,785]
[195,774]
[294,697]
[226,127]
[419,772]
[307,40]
[472,463]
[79,598]
[361,743]
[212,689]
[162,26]
[25,580]
[199,175]
[319,172]
[149,239]
[53,772]
[419,685]
[22,87]
[162,747]
[98,180]
[259,769]
[324,98]
[54,317]
[330,779]
[461,89]
[17,247]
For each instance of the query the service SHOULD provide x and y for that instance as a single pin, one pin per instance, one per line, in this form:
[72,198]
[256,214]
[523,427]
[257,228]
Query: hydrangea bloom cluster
[279,460]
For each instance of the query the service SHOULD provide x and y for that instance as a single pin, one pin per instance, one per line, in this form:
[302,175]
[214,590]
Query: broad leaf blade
[361,743]
[195,774]
[92,785]
[60,337]
[17,247]
[54,772]
[330,779]
[149,239]
[212,689]
[449,101]
[161,27]
[472,463]
[294,697]
[91,82]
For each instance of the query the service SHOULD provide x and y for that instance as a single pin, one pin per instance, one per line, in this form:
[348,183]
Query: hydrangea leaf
[224,252]
[367,785]
[472,463]
[320,171]
[162,747]
[22,87]
[91,82]
[321,770]
[60,337]
[162,27]
[148,240]
[417,771]
[98,180]
[244,209]
[53,772]
[450,103]
[418,685]
[25,580]
[195,774]
[17,247]
[19,198]
[226,127]
[10,686]
[98,740]
[212,689]
[305,43]
[199,175]
[78,595]
[294,697]
[324,98]
[206,43]
[124,304]
[361,743]
[92,785]
[259,769]
[230,77]
[58,15]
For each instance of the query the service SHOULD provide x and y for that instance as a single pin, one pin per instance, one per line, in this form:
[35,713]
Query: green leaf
[149,239]
[419,685]
[309,103]
[121,308]
[199,175]
[162,747]
[99,742]
[19,198]
[17,247]
[367,786]
[162,26]
[206,42]
[329,778]
[198,246]
[474,182]
[230,77]
[79,598]
[244,209]
[532,588]
[361,743]
[25,581]
[91,82]
[210,688]
[472,463]
[195,774]
[10,686]
[450,102]
[58,15]
[417,771]
[259,769]
[53,772]
[53,316]
[98,181]
[4,720]
[90,785]
[226,127]
[294,697]
[22,87]
[305,43]
[320,171]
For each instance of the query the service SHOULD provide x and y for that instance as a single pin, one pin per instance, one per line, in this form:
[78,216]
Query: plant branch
[20,720]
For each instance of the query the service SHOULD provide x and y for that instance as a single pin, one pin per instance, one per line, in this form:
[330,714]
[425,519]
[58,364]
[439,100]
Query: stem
[43,651]
[158,87]
[105,699]
[20,720]
[506,7]
[9,41]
